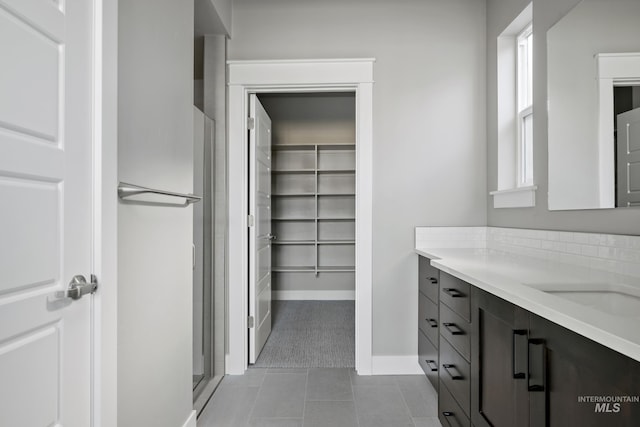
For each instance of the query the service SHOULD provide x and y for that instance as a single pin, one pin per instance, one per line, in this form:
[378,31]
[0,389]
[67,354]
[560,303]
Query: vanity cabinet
[499,395]
[527,370]
[428,319]
[497,364]
[455,351]
[565,367]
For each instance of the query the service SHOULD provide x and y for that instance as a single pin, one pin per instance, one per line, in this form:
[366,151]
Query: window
[515,114]
[525,107]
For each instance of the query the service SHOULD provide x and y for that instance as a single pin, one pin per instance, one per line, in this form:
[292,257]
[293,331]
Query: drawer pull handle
[433,280]
[432,365]
[537,365]
[453,328]
[455,375]
[453,292]
[432,322]
[448,416]
[518,372]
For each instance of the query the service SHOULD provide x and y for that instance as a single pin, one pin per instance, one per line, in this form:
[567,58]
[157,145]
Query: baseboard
[314,295]
[191,421]
[395,365]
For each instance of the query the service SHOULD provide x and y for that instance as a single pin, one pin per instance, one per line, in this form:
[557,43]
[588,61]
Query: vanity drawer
[456,294]
[428,358]
[456,330]
[428,278]
[455,373]
[428,317]
[449,412]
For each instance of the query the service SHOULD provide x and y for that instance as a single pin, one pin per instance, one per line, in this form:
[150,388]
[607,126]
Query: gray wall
[311,118]
[155,149]
[545,14]
[429,123]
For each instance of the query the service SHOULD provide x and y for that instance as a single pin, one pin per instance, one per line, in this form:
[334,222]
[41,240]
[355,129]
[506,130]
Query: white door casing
[628,159]
[46,216]
[321,75]
[260,230]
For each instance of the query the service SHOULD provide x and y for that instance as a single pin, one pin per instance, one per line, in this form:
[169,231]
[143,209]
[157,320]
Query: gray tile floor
[321,397]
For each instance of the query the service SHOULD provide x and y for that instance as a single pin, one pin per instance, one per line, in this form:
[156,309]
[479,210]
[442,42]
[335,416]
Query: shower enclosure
[208,263]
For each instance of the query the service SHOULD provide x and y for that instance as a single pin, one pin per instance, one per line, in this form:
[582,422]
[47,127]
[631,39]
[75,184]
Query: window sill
[520,197]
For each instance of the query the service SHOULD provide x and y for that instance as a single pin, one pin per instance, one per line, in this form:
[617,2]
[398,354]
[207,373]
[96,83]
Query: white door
[45,211]
[260,233]
[628,159]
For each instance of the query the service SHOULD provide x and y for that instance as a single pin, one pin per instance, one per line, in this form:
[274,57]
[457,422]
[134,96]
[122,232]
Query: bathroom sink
[617,299]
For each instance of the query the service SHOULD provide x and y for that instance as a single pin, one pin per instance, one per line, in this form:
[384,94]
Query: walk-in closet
[313,193]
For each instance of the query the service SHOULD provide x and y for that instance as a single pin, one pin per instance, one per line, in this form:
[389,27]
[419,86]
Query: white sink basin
[617,299]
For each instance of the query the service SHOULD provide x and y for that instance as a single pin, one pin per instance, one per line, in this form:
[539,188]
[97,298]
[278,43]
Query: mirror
[593,75]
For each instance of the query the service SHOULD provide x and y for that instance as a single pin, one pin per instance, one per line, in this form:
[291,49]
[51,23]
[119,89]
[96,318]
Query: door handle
[78,287]
[271,236]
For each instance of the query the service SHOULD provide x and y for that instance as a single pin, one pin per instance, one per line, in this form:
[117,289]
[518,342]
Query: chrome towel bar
[126,191]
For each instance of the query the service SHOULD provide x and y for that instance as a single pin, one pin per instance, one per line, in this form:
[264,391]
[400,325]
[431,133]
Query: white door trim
[612,69]
[105,203]
[298,76]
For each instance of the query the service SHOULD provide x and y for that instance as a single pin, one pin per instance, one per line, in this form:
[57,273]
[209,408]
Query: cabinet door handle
[433,280]
[448,416]
[537,364]
[453,292]
[456,375]
[518,372]
[432,365]
[432,322]
[453,328]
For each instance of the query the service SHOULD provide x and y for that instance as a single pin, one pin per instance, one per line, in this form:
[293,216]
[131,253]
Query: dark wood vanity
[496,364]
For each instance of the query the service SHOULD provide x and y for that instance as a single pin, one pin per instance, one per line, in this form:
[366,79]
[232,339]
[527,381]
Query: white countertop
[519,280]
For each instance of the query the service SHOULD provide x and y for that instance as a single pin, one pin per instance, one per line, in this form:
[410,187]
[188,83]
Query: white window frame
[524,84]
[513,189]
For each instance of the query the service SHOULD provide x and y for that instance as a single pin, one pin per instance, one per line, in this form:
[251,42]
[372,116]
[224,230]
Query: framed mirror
[593,78]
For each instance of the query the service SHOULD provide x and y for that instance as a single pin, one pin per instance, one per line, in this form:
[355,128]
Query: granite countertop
[522,280]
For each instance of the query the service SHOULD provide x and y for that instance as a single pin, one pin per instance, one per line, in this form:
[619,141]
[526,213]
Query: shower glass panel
[203,260]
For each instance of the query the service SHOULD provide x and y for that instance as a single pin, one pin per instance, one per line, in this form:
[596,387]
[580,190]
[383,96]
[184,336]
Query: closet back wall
[429,124]
[313,259]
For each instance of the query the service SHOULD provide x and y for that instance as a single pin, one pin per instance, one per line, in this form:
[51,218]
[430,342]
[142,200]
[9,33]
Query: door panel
[628,159]
[45,215]
[259,233]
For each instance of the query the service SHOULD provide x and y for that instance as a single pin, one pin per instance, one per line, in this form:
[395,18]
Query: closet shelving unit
[313,217]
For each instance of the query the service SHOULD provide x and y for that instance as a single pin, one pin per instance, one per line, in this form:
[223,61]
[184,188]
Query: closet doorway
[307,222]
[301,76]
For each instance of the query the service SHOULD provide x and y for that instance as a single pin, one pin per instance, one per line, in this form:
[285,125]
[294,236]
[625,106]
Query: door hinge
[251,123]
[250,322]
[250,221]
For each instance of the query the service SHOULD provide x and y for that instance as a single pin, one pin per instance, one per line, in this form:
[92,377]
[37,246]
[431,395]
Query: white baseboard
[395,365]
[314,295]
[191,421]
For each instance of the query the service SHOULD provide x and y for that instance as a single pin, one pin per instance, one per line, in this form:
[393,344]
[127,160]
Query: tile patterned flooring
[321,397]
